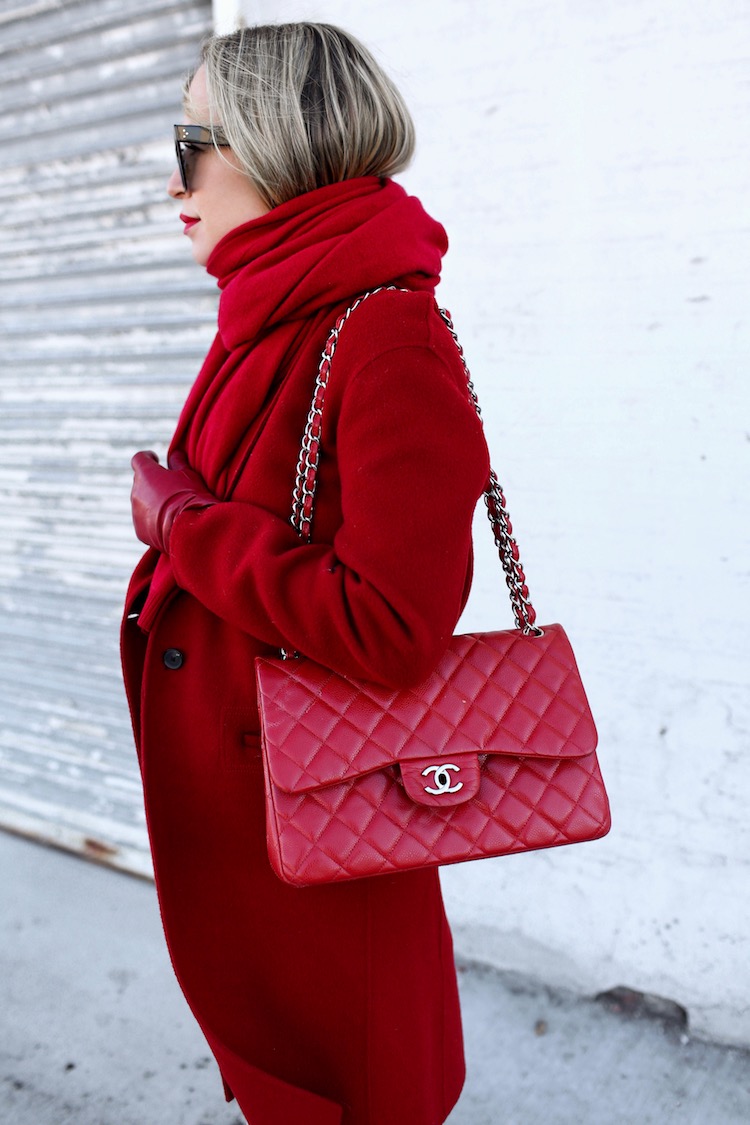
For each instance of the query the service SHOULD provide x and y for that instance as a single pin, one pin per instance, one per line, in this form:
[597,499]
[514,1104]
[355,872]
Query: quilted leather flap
[492,693]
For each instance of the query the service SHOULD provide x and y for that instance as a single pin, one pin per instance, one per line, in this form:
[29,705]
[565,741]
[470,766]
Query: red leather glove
[159,495]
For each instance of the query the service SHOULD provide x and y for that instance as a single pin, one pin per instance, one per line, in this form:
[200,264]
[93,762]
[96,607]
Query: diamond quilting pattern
[337,808]
[499,692]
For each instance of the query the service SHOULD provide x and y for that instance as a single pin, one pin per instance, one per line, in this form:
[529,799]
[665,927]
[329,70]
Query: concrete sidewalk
[93,1030]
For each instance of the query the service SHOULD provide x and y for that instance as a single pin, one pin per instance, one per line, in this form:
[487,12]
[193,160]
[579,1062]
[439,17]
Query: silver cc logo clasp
[442,778]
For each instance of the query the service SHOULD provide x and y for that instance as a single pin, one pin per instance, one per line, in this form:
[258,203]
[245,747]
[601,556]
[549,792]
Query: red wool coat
[333,1005]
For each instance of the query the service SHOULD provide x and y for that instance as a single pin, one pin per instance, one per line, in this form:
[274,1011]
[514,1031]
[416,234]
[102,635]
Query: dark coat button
[173,659]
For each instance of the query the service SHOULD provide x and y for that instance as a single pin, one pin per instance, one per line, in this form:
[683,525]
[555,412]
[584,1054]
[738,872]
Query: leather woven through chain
[303,495]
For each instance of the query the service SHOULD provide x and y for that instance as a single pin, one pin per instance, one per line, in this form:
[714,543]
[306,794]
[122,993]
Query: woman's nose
[174,185]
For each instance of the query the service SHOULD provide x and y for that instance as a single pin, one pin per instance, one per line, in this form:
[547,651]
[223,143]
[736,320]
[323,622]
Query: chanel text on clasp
[442,778]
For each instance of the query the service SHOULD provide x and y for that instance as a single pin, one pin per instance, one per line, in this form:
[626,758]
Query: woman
[335,1005]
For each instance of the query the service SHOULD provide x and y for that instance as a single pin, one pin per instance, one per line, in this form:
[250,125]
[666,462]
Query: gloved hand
[159,495]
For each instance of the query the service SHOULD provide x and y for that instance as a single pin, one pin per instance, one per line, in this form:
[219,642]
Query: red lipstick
[189,221]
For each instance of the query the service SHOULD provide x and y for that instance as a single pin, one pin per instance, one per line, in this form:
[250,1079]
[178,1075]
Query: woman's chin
[200,255]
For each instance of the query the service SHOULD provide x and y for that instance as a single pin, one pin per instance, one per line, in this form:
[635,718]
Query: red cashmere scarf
[284,278]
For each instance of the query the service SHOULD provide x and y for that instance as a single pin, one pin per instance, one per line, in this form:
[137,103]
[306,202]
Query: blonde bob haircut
[303,105]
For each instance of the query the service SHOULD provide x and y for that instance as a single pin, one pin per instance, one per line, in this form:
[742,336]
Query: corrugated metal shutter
[104,320]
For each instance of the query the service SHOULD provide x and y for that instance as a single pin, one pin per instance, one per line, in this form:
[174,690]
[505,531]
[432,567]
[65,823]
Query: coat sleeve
[382,600]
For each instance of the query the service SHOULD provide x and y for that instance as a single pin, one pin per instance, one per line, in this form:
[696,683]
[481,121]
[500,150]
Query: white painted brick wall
[590,161]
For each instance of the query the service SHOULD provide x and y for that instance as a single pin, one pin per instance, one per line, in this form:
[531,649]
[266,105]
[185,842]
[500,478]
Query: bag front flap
[492,693]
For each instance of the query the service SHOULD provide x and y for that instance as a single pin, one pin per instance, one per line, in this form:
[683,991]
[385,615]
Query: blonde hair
[303,105]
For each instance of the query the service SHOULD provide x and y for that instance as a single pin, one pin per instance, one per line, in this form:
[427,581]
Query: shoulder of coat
[387,319]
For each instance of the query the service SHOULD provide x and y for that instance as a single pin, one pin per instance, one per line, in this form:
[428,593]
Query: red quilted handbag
[493,753]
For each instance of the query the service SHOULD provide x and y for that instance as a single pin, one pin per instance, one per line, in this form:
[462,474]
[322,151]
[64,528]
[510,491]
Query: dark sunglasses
[188,142]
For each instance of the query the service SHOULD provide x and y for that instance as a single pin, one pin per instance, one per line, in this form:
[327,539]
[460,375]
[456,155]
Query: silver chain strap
[303,495]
